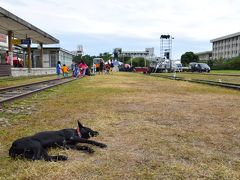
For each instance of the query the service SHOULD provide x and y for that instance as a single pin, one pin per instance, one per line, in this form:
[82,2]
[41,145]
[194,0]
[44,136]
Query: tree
[77,59]
[87,59]
[124,59]
[106,56]
[210,63]
[188,57]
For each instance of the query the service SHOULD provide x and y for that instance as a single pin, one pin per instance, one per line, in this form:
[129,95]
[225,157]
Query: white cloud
[194,20]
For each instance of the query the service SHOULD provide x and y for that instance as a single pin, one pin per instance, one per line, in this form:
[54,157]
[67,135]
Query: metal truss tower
[166,47]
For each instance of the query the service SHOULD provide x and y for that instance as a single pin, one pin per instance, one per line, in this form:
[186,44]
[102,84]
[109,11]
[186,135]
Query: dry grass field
[154,128]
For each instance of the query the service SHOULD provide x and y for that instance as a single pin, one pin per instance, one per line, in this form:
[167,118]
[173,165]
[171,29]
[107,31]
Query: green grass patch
[226,71]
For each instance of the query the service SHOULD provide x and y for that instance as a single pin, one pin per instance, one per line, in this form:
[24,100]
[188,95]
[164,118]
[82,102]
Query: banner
[3,38]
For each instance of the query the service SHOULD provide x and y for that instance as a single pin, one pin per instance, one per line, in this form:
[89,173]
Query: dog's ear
[80,125]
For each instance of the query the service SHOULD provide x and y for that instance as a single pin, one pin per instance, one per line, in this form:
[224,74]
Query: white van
[177,66]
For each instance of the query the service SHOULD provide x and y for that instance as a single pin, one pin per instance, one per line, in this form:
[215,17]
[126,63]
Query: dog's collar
[78,132]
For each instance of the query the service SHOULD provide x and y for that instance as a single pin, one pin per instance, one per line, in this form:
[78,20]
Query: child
[58,69]
[76,71]
[83,66]
[65,71]
[94,68]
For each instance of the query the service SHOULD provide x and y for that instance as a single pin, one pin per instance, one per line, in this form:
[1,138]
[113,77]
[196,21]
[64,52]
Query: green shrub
[223,64]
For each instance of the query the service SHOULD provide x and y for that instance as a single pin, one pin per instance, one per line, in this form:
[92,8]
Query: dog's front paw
[62,158]
[102,145]
[90,150]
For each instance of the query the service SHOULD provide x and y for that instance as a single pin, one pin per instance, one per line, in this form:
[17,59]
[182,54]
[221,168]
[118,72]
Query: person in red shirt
[7,58]
[83,67]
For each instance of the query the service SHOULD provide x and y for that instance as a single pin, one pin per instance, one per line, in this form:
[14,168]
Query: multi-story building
[204,56]
[149,52]
[226,47]
[79,51]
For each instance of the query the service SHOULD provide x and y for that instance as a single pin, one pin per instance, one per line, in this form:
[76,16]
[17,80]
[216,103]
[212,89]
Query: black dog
[35,147]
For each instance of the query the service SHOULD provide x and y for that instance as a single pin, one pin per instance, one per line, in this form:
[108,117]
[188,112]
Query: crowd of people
[107,68]
[16,60]
[78,70]
[82,69]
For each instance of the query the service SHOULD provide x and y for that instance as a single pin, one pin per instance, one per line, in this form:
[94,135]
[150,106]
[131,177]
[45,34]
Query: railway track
[12,93]
[212,74]
[208,82]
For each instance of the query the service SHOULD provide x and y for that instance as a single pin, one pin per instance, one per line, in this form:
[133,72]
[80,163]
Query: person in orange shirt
[65,70]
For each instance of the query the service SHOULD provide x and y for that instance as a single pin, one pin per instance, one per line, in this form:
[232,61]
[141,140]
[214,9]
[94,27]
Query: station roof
[22,29]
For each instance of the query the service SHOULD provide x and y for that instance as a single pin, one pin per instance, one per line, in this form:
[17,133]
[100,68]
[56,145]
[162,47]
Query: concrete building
[226,47]
[51,55]
[149,52]
[79,51]
[206,55]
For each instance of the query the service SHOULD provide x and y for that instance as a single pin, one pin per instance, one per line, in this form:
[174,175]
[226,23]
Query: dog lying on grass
[35,147]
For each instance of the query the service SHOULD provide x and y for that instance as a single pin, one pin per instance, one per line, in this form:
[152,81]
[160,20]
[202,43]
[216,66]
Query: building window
[53,59]
[37,62]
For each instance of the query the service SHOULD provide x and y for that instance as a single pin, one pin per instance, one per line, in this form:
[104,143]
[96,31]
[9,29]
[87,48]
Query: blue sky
[100,26]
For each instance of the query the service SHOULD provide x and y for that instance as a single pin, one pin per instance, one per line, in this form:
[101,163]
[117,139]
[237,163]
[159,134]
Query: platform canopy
[22,29]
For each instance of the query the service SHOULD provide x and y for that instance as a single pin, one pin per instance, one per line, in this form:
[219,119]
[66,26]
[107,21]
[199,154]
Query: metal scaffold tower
[166,47]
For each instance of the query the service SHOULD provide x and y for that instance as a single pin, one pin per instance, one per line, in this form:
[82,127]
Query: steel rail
[208,82]
[25,85]
[12,93]
[211,74]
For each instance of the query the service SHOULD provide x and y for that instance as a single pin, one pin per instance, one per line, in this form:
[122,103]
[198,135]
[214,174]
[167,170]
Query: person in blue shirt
[76,71]
[58,69]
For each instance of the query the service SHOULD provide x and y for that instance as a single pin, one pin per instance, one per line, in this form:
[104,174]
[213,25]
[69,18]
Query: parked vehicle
[185,69]
[177,66]
[199,67]
[165,66]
